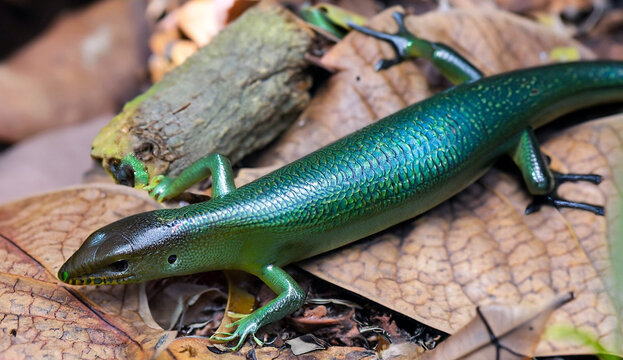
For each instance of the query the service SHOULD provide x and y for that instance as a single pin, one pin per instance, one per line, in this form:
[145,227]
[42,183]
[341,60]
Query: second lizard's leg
[452,65]
[543,182]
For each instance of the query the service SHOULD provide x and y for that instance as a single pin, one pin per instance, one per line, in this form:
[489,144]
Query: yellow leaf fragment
[239,300]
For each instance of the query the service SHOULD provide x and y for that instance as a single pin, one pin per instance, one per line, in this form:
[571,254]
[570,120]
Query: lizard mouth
[114,273]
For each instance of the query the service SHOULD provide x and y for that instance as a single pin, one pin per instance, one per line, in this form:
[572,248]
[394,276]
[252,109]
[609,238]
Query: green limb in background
[289,298]
[165,187]
[318,17]
[541,181]
[407,46]
[330,18]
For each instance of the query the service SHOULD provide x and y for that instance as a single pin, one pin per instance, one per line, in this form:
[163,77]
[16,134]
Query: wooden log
[233,96]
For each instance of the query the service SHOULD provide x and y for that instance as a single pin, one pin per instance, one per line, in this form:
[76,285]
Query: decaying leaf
[42,318]
[499,332]
[201,20]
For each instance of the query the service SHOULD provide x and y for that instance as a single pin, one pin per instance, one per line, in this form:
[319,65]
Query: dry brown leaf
[495,41]
[367,8]
[480,248]
[86,64]
[555,7]
[201,20]
[516,330]
[40,316]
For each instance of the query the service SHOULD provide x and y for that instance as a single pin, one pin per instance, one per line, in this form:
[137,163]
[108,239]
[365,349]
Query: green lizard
[383,174]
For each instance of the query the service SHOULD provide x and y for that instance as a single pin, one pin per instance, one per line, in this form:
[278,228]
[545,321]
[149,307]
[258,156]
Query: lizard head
[136,248]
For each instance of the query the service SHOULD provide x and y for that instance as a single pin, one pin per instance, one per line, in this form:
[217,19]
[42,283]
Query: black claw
[400,20]
[399,41]
[386,63]
[595,209]
[534,206]
[552,198]
[558,203]
[593,178]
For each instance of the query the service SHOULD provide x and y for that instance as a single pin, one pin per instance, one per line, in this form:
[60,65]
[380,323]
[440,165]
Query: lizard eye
[172,259]
[119,266]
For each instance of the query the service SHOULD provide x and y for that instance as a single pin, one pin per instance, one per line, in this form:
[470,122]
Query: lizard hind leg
[542,182]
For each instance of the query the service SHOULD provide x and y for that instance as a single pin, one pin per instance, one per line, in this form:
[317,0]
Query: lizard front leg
[165,187]
[290,297]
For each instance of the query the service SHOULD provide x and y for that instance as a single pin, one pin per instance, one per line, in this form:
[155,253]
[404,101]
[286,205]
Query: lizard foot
[401,41]
[158,188]
[246,326]
[554,200]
